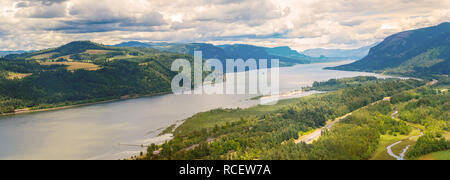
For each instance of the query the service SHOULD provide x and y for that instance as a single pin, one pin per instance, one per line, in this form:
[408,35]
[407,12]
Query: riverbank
[96,131]
[217,117]
[53,107]
[75,105]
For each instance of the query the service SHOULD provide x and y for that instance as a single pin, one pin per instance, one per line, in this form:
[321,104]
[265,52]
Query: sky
[300,24]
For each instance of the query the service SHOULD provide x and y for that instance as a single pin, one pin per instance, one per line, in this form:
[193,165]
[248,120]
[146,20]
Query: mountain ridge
[419,52]
[356,54]
[285,54]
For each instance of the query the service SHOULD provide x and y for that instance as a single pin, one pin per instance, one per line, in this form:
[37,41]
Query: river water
[109,130]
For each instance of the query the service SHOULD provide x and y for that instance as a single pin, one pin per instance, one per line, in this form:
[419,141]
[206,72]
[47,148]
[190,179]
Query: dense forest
[269,132]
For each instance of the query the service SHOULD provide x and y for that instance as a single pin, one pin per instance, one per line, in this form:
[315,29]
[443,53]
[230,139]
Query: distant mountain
[5,53]
[285,51]
[245,51]
[133,44]
[209,51]
[75,47]
[286,56]
[90,52]
[355,54]
[416,53]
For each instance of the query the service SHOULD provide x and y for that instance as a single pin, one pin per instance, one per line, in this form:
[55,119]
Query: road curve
[402,155]
[389,150]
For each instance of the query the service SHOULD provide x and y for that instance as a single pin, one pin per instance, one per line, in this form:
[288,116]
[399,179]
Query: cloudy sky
[301,24]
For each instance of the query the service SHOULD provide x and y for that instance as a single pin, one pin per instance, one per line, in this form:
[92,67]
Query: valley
[97,130]
[113,102]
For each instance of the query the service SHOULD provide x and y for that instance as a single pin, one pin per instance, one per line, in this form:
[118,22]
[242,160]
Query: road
[401,156]
[310,138]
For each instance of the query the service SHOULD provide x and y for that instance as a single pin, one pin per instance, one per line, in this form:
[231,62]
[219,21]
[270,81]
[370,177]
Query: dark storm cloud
[146,23]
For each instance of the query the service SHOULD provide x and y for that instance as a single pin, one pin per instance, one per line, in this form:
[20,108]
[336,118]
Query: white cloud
[301,24]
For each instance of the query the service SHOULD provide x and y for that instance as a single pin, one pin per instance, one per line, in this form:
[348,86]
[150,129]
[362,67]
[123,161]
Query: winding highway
[401,156]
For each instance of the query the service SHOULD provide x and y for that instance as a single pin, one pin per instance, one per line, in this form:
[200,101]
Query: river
[104,131]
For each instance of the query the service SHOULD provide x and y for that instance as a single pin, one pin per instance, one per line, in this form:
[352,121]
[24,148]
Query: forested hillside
[82,72]
[418,53]
[286,55]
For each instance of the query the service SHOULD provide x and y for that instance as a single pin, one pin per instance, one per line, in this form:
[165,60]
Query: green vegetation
[80,73]
[431,111]
[285,54]
[335,84]
[421,53]
[168,130]
[442,155]
[428,108]
[386,140]
[86,72]
[268,132]
[426,145]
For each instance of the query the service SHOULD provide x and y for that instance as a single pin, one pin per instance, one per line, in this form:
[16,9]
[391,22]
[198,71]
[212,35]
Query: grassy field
[44,56]
[386,140]
[13,75]
[124,57]
[72,66]
[447,135]
[222,116]
[443,155]
[398,149]
[96,51]
[67,58]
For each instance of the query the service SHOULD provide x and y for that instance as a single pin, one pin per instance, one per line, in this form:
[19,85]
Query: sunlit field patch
[97,51]
[443,155]
[72,66]
[44,56]
[13,75]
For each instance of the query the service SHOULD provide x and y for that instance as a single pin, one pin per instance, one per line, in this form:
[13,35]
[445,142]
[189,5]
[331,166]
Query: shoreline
[166,137]
[288,96]
[126,97]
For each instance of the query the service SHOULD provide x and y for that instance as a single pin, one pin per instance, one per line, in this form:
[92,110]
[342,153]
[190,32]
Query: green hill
[420,52]
[82,72]
[209,51]
[287,56]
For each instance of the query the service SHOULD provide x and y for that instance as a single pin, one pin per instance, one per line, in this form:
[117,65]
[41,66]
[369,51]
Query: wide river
[109,130]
